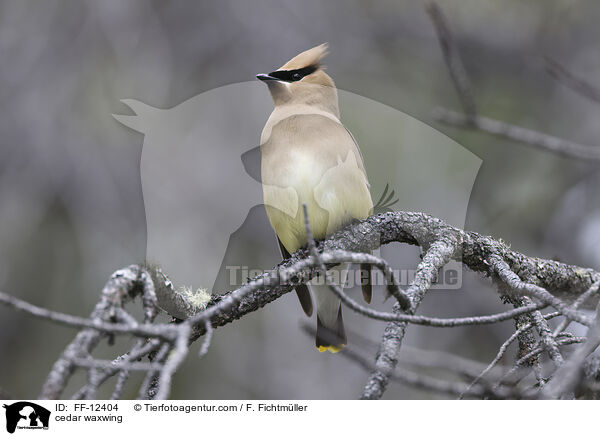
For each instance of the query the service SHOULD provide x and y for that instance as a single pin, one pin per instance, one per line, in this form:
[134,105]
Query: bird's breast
[312,161]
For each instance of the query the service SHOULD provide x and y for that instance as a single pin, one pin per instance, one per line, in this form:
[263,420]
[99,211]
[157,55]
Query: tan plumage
[308,157]
[312,56]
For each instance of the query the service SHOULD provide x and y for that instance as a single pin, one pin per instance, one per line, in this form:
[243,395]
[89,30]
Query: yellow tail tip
[331,348]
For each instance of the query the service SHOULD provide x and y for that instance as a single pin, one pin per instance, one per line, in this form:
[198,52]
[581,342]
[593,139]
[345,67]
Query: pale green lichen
[581,273]
[198,299]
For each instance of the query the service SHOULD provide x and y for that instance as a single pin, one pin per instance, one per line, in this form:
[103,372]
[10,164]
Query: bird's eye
[296,77]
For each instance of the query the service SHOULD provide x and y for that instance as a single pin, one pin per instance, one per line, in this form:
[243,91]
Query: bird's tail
[331,337]
[331,334]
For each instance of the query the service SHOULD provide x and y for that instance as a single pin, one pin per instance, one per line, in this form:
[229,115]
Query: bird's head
[302,80]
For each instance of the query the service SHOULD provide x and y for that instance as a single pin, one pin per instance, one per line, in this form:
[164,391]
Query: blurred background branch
[471,120]
[72,209]
[519,134]
[577,84]
[454,64]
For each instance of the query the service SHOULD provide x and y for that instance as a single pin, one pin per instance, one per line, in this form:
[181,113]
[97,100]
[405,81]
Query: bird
[309,158]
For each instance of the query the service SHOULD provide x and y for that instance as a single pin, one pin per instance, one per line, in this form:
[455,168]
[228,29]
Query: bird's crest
[311,57]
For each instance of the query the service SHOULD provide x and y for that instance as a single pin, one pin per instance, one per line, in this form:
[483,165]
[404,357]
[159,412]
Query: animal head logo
[24,414]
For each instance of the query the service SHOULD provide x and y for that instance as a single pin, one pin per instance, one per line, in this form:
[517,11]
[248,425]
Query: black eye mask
[293,75]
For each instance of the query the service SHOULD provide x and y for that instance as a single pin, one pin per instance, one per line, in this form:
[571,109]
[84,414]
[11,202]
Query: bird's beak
[265,77]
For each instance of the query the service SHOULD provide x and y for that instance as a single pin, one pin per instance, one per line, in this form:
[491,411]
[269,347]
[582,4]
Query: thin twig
[523,135]
[149,386]
[452,58]
[109,364]
[547,339]
[122,286]
[502,351]
[173,362]
[126,328]
[433,321]
[535,352]
[392,285]
[428,383]
[207,340]
[514,282]
[137,352]
[576,304]
[577,84]
[419,358]
[570,375]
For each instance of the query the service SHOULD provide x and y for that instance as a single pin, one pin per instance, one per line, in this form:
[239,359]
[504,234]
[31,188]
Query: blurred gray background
[71,204]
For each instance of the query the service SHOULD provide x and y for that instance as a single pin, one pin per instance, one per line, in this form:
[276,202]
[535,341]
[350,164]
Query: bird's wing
[366,271]
[301,290]
[362,160]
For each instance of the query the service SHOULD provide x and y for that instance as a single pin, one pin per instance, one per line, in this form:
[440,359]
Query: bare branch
[570,375]
[452,59]
[440,386]
[425,320]
[519,134]
[523,360]
[149,387]
[139,350]
[421,358]
[109,364]
[470,119]
[144,330]
[522,288]
[593,290]
[577,84]
[503,349]
[123,286]
[437,255]
[174,360]
[392,286]
[548,340]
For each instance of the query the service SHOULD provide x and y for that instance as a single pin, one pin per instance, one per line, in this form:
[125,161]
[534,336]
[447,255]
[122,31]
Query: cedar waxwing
[308,157]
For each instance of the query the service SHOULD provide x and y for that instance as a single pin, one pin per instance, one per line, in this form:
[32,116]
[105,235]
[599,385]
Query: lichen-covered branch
[123,286]
[437,255]
[544,282]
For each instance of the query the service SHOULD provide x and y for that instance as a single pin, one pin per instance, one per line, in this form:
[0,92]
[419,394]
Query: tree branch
[545,281]
[437,255]
[530,137]
[453,61]
[577,84]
